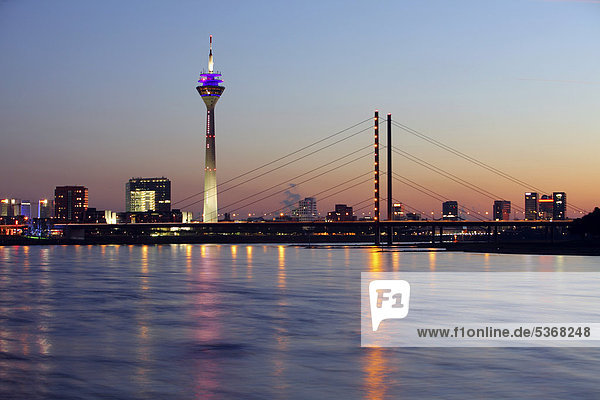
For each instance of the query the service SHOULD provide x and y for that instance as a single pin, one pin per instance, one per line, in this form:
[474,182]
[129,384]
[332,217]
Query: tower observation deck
[210,91]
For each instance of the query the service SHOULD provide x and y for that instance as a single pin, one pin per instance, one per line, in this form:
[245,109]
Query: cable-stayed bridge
[351,158]
[318,162]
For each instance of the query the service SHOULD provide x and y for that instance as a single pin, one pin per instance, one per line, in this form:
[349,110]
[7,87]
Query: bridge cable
[450,176]
[298,184]
[474,160]
[301,175]
[285,165]
[280,158]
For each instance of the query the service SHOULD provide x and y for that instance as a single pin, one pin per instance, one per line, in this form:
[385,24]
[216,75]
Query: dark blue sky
[94,93]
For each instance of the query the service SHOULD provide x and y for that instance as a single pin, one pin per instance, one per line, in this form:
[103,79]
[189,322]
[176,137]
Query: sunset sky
[94,93]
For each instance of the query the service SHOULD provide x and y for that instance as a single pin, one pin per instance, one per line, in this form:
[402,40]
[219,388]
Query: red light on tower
[376,178]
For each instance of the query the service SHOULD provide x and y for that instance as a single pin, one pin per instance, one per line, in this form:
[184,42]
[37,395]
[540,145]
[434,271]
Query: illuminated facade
[398,212]
[307,210]
[341,213]
[70,203]
[501,210]
[211,92]
[450,210]
[148,194]
[545,207]
[45,208]
[26,208]
[560,205]
[531,206]
[110,217]
[15,208]
[142,200]
[5,208]
[10,208]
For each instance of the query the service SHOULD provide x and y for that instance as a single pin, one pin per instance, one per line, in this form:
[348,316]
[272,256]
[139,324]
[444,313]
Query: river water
[247,322]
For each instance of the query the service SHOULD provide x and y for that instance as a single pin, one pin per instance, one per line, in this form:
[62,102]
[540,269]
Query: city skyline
[152,195]
[100,109]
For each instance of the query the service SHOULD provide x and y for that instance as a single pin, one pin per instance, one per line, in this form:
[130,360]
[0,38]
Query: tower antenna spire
[210,57]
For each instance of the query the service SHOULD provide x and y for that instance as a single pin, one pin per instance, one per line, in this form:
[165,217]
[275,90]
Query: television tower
[210,91]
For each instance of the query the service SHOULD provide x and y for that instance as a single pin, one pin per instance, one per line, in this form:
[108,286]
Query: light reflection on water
[245,321]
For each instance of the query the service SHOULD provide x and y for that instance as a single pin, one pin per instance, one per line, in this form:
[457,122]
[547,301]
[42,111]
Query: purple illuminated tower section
[210,91]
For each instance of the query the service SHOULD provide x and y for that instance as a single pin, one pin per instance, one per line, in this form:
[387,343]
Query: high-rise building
[450,210]
[531,206]
[148,194]
[545,207]
[26,208]
[560,205]
[5,208]
[398,212]
[16,206]
[211,92]
[45,208]
[70,203]
[307,210]
[10,207]
[341,213]
[501,210]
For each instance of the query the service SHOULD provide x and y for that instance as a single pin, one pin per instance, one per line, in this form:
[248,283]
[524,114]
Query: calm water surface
[247,322]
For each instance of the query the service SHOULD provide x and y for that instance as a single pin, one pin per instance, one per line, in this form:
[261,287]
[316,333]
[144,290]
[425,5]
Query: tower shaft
[210,213]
